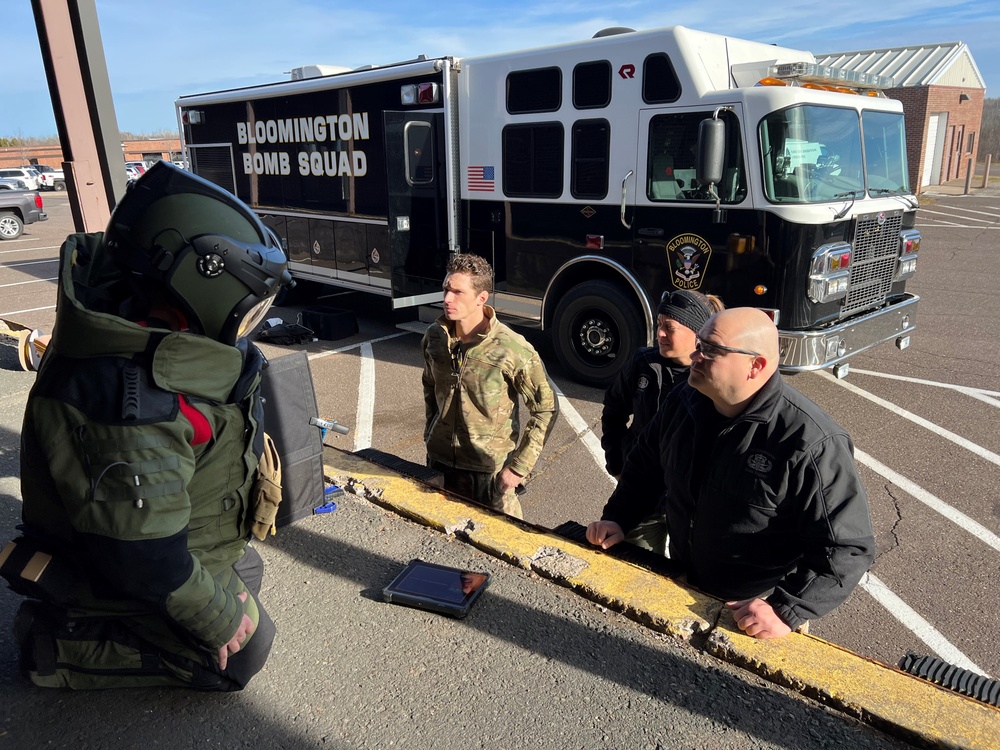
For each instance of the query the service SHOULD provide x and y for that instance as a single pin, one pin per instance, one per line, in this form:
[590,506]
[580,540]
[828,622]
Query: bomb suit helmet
[201,247]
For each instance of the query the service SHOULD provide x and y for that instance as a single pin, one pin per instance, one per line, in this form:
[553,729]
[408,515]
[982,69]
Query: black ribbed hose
[949,676]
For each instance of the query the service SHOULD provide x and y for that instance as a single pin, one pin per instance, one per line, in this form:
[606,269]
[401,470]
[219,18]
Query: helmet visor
[253,317]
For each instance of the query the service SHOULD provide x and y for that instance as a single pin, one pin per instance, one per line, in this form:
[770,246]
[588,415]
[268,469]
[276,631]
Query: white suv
[30,176]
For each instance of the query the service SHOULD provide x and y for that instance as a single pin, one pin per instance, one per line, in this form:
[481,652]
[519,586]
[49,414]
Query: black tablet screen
[439,583]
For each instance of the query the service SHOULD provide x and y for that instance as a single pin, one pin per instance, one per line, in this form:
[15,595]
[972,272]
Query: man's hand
[604,534]
[757,618]
[244,630]
[507,480]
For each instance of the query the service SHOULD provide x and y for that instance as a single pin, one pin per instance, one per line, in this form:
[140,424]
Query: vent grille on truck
[215,164]
[873,263]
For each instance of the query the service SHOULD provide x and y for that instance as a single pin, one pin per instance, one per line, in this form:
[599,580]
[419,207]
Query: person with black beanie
[641,386]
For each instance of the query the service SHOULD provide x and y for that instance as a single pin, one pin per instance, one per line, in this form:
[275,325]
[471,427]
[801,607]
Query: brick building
[143,150]
[942,92]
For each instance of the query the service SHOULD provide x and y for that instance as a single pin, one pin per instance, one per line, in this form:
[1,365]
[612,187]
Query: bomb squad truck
[593,175]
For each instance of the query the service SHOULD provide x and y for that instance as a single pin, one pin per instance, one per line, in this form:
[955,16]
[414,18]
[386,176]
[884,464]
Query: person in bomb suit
[140,445]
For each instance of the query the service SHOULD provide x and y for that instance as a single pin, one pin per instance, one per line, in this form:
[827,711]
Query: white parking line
[366,399]
[990,397]
[349,347]
[983,453]
[33,281]
[33,309]
[27,249]
[993,211]
[583,431]
[966,218]
[941,222]
[917,624]
[30,263]
[934,503]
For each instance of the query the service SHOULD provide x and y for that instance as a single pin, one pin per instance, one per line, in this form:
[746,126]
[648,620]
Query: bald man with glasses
[764,505]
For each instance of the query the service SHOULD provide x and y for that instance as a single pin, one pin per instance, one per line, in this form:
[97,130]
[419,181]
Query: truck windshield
[885,153]
[814,154]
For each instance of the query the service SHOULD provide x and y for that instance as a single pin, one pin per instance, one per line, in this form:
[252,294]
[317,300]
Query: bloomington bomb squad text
[345,129]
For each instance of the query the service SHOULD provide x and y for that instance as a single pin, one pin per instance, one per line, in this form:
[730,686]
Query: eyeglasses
[710,351]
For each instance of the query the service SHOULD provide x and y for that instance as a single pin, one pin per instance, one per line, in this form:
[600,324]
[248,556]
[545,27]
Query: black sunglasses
[710,351]
[676,299]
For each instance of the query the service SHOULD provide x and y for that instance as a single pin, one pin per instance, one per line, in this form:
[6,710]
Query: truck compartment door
[417,206]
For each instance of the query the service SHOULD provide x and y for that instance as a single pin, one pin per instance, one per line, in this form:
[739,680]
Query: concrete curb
[877,694]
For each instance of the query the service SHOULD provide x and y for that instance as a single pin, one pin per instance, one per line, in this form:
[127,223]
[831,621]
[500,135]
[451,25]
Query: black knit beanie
[686,308]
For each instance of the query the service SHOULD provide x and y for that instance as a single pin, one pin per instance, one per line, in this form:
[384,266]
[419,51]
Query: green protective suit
[138,458]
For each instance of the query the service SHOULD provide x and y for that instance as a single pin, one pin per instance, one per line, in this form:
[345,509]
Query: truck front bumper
[816,350]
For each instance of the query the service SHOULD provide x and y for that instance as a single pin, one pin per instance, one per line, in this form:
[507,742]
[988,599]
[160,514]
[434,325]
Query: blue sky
[159,50]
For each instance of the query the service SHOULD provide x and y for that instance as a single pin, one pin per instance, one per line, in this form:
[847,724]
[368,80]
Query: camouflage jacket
[470,398]
[138,454]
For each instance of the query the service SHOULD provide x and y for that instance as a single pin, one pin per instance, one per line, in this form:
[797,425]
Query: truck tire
[60,185]
[596,330]
[11,226]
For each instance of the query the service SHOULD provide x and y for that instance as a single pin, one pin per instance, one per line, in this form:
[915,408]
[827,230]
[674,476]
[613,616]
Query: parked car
[138,166]
[29,175]
[18,208]
[50,178]
[12,183]
[131,172]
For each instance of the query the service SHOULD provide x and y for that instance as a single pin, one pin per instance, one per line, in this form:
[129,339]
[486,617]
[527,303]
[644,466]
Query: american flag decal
[481,179]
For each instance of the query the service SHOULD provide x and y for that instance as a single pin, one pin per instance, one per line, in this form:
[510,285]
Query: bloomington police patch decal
[687,257]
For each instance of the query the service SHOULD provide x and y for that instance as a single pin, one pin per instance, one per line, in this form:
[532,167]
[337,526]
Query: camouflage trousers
[481,487]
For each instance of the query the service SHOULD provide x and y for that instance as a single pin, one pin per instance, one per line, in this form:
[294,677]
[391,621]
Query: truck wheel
[60,185]
[596,330]
[11,226]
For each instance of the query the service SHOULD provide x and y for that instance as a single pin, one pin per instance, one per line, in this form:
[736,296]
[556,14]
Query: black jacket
[767,504]
[637,392]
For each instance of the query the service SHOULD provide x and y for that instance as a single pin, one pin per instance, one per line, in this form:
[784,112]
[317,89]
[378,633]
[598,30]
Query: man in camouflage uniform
[474,369]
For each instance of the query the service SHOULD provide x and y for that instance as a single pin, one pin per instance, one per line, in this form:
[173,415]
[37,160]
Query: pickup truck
[17,208]
[51,178]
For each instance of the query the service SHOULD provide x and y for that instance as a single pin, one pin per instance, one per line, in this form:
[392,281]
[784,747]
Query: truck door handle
[650,232]
[626,224]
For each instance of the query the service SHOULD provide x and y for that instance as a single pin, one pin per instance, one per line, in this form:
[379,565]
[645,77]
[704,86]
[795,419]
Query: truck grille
[873,262]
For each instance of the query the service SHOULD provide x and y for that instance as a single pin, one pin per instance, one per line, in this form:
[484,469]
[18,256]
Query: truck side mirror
[711,151]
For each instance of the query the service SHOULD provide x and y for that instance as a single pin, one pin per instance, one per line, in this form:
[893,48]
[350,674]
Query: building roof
[920,65]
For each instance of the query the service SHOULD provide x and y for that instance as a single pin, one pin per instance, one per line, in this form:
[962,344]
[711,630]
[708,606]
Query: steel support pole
[77,73]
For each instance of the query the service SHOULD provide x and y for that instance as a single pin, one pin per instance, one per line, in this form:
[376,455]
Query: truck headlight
[830,272]
[909,244]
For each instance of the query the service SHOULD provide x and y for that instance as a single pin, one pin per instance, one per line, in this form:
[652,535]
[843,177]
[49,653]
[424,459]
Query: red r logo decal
[627,71]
